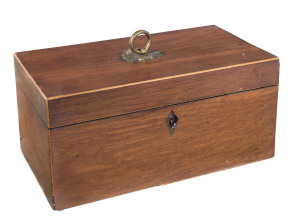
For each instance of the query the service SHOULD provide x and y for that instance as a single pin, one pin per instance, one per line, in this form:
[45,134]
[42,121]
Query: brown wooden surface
[65,95]
[85,67]
[31,90]
[108,157]
[34,139]
[85,107]
[90,81]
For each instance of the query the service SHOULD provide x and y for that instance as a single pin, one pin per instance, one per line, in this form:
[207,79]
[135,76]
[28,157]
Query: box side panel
[109,157]
[31,90]
[154,94]
[34,139]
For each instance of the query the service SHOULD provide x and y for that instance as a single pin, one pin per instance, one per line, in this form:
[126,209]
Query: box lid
[85,82]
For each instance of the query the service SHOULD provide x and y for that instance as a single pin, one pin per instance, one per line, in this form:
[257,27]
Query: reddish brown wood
[89,81]
[32,91]
[85,107]
[85,67]
[108,157]
[93,126]
[34,137]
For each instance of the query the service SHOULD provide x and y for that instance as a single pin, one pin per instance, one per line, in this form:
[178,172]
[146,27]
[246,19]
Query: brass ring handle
[143,50]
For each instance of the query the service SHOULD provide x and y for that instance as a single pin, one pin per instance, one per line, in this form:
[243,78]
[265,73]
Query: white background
[262,192]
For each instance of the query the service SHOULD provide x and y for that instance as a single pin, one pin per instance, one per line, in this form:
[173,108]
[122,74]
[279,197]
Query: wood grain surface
[70,99]
[35,145]
[85,67]
[31,90]
[108,157]
[89,81]
[117,101]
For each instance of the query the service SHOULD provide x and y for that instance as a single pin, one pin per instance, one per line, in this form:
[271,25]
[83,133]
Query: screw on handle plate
[131,42]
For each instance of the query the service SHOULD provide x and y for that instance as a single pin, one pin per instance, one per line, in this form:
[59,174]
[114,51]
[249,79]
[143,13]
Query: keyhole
[173,120]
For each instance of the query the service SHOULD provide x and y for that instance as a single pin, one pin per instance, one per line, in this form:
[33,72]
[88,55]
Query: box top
[93,73]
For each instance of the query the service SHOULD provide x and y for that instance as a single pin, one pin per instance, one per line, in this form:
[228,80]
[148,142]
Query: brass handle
[131,42]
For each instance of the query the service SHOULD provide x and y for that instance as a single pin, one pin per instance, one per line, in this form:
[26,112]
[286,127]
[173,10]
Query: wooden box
[93,126]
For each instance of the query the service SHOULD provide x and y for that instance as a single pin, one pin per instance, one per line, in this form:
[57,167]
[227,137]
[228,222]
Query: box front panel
[104,158]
